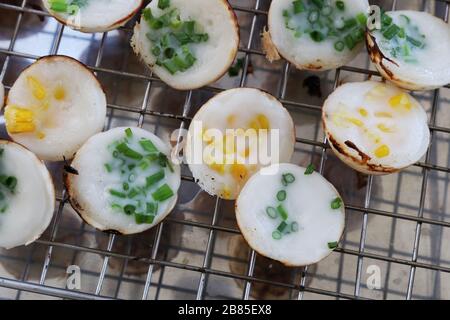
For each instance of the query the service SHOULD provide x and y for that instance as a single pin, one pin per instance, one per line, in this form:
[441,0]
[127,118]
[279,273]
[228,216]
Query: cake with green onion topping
[315,34]
[292,214]
[412,49]
[188,44]
[27,196]
[93,15]
[123,180]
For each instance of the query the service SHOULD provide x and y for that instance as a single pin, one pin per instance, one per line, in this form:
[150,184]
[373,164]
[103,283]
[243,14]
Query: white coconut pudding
[233,135]
[123,180]
[188,44]
[374,127]
[412,49]
[293,215]
[27,196]
[315,34]
[54,106]
[93,15]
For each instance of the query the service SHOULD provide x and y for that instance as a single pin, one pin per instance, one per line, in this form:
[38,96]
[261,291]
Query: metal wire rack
[398,223]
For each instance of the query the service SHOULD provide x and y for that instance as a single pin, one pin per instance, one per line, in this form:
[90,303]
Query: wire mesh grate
[398,223]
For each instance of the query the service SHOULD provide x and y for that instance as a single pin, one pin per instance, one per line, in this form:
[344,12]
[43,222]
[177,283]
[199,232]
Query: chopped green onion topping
[272,212]
[142,218]
[163,4]
[288,178]
[414,42]
[282,212]
[332,245]
[299,6]
[294,226]
[336,203]
[362,19]
[326,11]
[133,193]
[128,152]
[162,193]
[310,169]
[108,167]
[386,20]
[349,42]
[313,16]
[236,68]
[151,207]
[155,178]
[172,38]
[340,5]
[391,32]
[128,132]
[317,36]
[129,209]
[281,195]
[276,235]
[318,3]
[339,46]
[282,226]
[148,146]
[117,194]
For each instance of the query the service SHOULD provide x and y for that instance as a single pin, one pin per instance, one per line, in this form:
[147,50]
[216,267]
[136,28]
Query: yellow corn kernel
[363,112]
[382,151]
[206,136]
[254,124]
[400,100]
[260,123]
[238,171]
[384,128]
[37,88]
[59,93]
[226,193]
[263,122]
[219,168]
[376,92]
[19,120]
[231,119]
[229,145]
[355,121]
[245,153]
[383,115]
[40,135]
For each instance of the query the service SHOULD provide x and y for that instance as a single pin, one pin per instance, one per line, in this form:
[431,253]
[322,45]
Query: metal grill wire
[213,223]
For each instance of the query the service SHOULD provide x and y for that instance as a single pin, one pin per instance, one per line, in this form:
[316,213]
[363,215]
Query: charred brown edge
[365,159]
[233,54]
[113,26]
[377,56]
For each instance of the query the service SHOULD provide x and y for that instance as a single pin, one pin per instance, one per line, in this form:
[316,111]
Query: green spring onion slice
[163,193]
[336,203]
[281,195]
[282,212]
[272,212]
[310,169]
[332,245]
[276,235]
